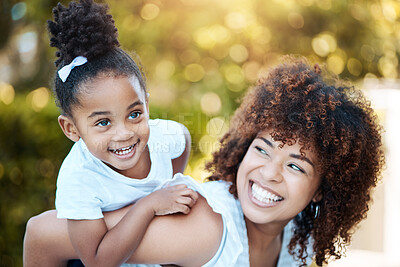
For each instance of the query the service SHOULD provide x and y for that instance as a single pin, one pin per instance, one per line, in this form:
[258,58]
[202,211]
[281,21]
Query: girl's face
[274,184]
[112,119]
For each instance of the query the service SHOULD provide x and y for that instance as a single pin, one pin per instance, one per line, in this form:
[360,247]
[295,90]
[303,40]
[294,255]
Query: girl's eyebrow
[134,104]
[99,113]
[296,156]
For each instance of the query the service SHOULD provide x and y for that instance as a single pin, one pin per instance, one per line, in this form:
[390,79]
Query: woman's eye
[296,168]
[134,115]
[262,151]
[103,123]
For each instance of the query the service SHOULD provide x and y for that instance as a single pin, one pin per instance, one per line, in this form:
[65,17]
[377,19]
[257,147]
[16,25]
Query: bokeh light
[233,73]
[354,66]
[323,44]
[296,20]
[38,98]
[149,11]
[238,53]
[7,93]
[210,103]
[251,70]
[165,69]
[131,23]
[217,127]
[208,144]
[18,11]
[335,63]
[236,21]
[194,72]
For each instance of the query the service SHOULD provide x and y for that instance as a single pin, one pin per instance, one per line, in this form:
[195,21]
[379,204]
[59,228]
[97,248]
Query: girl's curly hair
[337,123]
[85,29]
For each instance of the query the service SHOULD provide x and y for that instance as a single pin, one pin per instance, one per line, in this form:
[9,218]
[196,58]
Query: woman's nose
[272,172]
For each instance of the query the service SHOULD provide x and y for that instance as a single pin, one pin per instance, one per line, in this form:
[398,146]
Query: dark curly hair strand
[337,123]
[85,29]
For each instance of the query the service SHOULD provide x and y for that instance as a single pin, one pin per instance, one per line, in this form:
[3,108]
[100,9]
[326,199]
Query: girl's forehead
[110,78]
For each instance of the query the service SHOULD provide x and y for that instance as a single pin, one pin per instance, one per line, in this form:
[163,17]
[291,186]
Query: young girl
[119,156]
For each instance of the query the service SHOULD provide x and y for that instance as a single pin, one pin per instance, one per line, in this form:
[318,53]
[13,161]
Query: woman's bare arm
[185,240]
[191,239]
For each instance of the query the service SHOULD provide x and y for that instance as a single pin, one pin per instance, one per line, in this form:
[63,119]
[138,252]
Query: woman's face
[274,184]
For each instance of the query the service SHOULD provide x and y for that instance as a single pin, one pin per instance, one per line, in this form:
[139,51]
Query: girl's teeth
[263,195]
[123,151]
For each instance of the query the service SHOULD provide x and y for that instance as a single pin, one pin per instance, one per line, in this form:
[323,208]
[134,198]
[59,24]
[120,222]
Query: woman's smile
[263,197]
[274,183]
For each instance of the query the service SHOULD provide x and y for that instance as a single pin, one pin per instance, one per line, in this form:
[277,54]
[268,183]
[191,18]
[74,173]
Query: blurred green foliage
[199,56]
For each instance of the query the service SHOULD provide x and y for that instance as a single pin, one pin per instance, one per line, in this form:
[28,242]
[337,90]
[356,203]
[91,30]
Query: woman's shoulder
[218,195]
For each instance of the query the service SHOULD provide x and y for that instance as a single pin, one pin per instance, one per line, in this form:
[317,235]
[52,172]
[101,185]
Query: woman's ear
[68,127]
[317,196]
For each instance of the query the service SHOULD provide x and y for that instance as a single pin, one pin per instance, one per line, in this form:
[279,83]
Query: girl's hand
[172,199]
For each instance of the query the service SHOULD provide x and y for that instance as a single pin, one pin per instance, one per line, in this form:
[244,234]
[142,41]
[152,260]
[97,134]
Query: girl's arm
[98,246]
[179,164]
[192,239]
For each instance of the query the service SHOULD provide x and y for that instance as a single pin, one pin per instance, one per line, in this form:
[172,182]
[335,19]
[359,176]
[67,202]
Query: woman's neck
[265,242]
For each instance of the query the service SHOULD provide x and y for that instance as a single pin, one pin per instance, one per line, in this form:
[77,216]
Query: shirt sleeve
[75,196]
[169,135]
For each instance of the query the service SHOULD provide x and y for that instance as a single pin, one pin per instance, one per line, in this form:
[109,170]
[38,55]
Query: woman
[298,149]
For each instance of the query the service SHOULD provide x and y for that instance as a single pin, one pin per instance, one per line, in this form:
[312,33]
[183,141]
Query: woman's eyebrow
[266,141]
[303,158]
[296,156]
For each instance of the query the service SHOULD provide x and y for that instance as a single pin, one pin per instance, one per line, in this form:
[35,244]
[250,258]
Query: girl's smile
[112,119]
[125,152]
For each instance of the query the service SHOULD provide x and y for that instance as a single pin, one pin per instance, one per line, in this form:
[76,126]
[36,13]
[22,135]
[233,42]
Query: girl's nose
[122,133]
[272,172]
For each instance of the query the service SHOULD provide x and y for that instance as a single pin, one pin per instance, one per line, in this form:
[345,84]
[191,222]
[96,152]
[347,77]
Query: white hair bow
[66,70]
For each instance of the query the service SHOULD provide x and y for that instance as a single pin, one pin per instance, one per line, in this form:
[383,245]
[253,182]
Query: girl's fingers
[190,193]
[178,186]
[184,209]
[185,191]
[186,201]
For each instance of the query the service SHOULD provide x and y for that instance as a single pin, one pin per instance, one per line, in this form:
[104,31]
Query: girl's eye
[134,115]
[296,168]
[262,151]
[103,123]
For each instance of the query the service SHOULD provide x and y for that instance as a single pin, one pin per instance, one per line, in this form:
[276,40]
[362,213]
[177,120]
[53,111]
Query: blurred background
[200,56]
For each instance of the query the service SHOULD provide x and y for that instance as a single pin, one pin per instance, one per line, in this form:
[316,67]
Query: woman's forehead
[294,142]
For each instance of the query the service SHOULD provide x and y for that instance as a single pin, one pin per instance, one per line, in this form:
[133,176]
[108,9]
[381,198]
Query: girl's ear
[68,127]
[147,102]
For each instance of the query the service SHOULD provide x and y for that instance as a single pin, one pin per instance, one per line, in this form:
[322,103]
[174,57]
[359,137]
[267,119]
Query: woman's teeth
[263,195]
[123,151]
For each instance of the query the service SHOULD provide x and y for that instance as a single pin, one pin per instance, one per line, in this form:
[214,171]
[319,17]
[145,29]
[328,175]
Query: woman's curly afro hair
[85,29]
[337,123]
